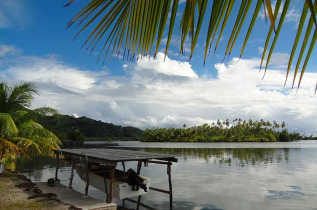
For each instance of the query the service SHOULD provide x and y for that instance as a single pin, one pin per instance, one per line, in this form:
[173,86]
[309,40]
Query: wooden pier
[109,158]
[74,198]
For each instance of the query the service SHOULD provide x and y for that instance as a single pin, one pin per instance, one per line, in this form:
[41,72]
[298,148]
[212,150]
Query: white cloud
[50,72]
[169,67]
[75,115]
[9,50]
[293,15]
[170,93]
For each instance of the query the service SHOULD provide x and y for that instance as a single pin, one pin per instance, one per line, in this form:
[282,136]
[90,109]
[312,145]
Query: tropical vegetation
[20,133]
[135,28]
[85,129]
[224,131]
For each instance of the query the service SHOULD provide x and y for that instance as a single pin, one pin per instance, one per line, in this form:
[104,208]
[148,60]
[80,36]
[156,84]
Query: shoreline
[19,192]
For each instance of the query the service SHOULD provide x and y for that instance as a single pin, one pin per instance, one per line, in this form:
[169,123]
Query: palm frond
[7,126]
[45,111]
[9,149]
[20,97]
[298,34]
[280,24]
[29,146]
[268,37]
[136,27]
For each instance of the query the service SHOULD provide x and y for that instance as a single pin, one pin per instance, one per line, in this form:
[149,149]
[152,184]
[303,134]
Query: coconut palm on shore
[20,134]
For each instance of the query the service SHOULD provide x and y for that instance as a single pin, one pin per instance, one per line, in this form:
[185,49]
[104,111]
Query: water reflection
[238,156]
[218,178]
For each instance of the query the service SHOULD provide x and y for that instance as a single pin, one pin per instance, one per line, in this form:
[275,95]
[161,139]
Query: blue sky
[36,46]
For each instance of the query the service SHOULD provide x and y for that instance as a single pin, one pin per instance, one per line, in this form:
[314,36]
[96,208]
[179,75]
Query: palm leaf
[9,149]
[29,146]
[270,13]
[236,24]
[311,47]
[20,97]
[240,24]
[223,9]
[199,24]
[255,15]
[280,24]
[304,44]
[216,7]
[312,10]
[224,23]
[298,34]
[7,126]
[137,26]
[268,37]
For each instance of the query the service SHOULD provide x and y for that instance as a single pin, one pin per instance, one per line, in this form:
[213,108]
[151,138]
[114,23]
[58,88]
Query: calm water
[218,175]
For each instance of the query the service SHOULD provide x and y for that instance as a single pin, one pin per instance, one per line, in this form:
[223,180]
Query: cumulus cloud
[169,93]
[49,72]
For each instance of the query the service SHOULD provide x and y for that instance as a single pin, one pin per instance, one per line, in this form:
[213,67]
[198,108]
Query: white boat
[99,178]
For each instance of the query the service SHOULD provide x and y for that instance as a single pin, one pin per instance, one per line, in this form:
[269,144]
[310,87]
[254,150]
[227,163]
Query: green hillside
[83,128]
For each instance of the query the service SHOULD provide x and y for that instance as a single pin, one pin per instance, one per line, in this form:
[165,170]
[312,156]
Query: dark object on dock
[109,158]
[135,181]
[51,182]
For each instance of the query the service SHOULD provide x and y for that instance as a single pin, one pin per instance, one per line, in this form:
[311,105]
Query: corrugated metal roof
[116,155]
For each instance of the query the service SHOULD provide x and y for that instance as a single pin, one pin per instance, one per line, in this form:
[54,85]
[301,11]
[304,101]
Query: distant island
[67,127]
[224,131]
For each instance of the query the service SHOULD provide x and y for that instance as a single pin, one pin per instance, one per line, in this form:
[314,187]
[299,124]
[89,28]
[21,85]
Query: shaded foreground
[17,192]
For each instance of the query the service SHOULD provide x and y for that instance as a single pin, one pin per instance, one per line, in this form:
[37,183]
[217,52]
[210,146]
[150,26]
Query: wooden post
[170,184]
[87,178]
[123,166]
[112,179]
[139,197]
[57,165]
[71,173]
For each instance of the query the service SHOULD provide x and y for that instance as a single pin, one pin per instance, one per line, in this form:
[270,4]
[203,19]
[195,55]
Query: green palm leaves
[137,26]
[19,133]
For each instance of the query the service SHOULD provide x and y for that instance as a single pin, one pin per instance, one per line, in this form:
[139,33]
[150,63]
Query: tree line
[224,131]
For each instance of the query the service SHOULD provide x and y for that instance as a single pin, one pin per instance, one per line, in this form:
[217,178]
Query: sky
[35,46]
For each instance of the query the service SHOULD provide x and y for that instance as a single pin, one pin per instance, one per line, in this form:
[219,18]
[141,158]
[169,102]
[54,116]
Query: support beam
[139,197]
[57,165]
[112,179]
[141,204]
[71,173]
[87,178]
[123,166]
[159,162]
[159,190]
[169,172]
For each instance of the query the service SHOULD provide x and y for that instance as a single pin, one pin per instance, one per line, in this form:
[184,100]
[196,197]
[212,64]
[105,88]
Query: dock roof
[116,155]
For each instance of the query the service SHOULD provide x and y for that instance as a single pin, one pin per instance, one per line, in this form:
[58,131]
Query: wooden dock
[74,198]
[110,158]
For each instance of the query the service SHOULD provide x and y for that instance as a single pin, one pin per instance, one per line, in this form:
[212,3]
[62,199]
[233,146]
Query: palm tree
[136,24]
[20,134]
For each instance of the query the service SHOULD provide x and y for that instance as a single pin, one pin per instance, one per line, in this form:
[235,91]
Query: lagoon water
[217,175]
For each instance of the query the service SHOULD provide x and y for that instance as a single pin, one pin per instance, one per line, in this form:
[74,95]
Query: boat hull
[121,189]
